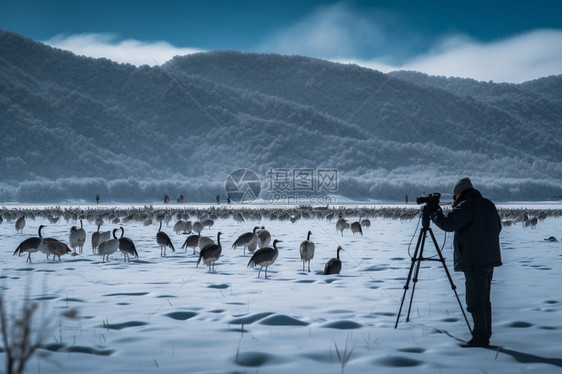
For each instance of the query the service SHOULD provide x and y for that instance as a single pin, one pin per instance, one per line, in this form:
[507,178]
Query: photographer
[477,226]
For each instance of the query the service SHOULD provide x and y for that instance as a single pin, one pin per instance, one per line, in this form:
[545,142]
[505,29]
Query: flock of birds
[256,242]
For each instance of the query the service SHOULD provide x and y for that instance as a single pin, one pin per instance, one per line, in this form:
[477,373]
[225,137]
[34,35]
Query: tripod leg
[453,287]
[407,285]
[416,273]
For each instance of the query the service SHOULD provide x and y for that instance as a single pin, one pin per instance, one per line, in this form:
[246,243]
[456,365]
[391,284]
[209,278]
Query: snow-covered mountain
[76,126]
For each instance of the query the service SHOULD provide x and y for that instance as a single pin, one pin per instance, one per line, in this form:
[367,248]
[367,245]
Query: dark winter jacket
[477,227]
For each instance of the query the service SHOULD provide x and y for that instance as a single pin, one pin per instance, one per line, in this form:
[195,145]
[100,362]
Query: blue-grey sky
[499,40]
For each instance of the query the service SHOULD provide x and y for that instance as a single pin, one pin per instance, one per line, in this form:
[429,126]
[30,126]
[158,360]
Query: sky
[498,40]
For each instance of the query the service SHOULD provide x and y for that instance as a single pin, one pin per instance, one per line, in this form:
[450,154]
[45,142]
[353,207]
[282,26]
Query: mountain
[75,126]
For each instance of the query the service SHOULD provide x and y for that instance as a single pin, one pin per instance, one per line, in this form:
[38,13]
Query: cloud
[377,40]
[125,51]
[517,59]
[330,31]
[341,34]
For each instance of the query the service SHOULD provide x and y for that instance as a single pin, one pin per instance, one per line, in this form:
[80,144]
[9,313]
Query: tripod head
[426,211]
[431,204]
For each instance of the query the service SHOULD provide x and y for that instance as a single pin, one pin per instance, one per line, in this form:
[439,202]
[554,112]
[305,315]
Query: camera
[431,203]
[432,199]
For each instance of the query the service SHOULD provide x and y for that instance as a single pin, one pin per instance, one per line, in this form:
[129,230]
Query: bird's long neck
[308,236]
[219,239]
[122,231]
[160,227]
[39,231]
[338,254]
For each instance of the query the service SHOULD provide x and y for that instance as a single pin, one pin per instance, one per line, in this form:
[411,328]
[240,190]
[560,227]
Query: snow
[164,314]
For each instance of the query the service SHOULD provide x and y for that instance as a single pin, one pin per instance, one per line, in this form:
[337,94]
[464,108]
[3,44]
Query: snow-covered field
[166,315]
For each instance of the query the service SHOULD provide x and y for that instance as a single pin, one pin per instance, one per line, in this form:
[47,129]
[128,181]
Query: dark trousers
[478,284]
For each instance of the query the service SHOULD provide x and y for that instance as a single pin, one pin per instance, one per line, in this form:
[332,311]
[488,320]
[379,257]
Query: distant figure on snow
[228,198]
[181,198]
[97,198]
[406,198]
[166,199]
[218,199]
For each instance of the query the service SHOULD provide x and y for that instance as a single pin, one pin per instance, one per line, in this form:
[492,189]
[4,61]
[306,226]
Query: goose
[55,247]
[356,227]
[247,239]
[204,241]
[264,237]
[52,246]
[108,247]
[104,236]
[551,239]
[30,245]
[95,240]
[163,241]
[20,224]
[73,239]
[197,227]
[211,253]
[127,247]
[188,229]
[179,227]
[307,251]
[365,222]
[52,219]
[191,241]
[265,257]
[81,236]
[334,265]
[341,225]
[208,223]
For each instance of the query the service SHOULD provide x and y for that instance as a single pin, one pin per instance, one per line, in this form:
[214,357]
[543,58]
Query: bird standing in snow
[247,239]
[211,253]
[334,265]
[264,237]
[341,225]
[52,246]
[30,245]
[265,257]
[81,236]
[127,246]
[73,237]
[191,241]
[307,251]
[20,224]
[163,241]
[108,247]
[356,227]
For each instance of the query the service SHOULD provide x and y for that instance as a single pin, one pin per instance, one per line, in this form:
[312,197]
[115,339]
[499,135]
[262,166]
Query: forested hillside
[75,126]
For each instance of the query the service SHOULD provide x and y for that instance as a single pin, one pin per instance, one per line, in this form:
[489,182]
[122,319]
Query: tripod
[415,267]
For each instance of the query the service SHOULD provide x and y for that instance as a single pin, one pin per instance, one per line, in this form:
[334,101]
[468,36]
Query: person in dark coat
[477,225]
